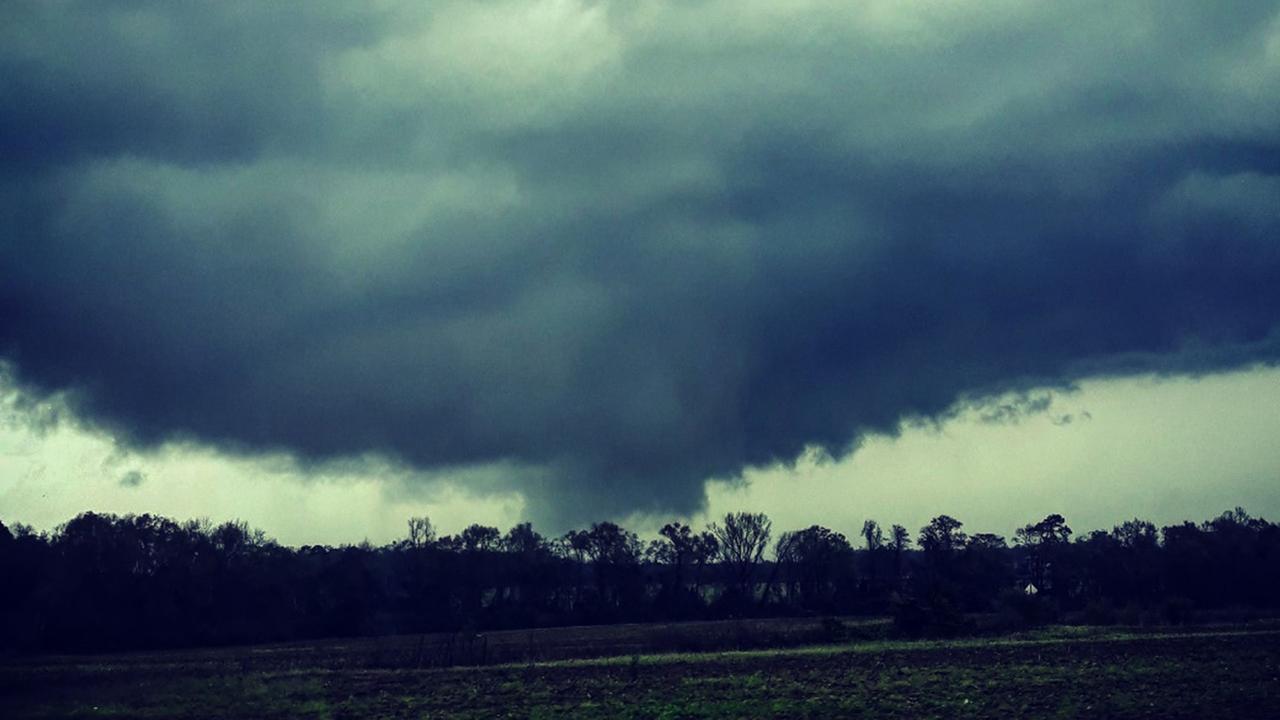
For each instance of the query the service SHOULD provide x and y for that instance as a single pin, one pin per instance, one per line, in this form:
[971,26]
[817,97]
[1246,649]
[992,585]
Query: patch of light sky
[1166,450]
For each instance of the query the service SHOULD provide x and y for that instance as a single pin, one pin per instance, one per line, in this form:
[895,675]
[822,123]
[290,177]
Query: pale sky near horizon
[1163,449]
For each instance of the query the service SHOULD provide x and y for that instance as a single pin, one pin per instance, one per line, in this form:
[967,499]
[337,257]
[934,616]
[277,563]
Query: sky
[324,266]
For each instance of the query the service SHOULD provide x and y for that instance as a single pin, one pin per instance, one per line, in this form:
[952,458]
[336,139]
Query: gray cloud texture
[132,479]
[623,246]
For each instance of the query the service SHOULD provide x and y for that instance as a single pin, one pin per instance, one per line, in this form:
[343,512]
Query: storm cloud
[620,247]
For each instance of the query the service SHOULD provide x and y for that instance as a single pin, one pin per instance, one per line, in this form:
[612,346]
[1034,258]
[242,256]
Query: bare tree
[742,542]
[421,532]
[814,558]
[786,553]
[705,550]
[574,545]
[872,534]
[676,549]
[615,554]
[900,540]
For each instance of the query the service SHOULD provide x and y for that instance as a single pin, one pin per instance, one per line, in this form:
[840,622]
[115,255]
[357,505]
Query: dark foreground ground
[1061,672]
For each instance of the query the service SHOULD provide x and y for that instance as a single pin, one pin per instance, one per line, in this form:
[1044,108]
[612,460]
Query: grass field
[1058,672]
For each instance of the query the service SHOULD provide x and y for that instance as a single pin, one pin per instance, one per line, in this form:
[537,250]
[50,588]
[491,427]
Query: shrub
[1099,612]
[1019,610]
[936,616]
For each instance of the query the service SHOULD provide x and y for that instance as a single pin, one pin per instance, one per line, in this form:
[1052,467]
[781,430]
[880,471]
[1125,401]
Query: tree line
[105,582]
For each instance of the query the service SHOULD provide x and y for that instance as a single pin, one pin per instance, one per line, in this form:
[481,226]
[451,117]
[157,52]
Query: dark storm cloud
[624,247]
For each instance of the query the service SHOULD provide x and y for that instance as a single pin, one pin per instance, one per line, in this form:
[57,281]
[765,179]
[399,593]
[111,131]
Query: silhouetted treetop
[103,581]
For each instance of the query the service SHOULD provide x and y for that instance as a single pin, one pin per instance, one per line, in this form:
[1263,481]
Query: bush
[1099,612]
[1019,610]
[936,616]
